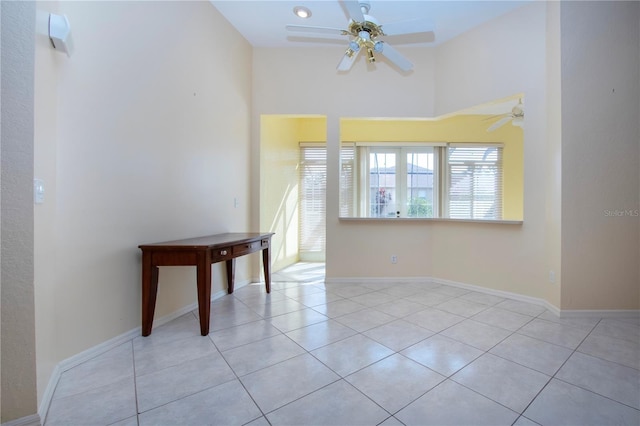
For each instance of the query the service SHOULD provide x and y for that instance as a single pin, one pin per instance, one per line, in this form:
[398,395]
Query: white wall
[305,81]
[47,61]
[553,160]
[600,154]
[142,135]
[501,58]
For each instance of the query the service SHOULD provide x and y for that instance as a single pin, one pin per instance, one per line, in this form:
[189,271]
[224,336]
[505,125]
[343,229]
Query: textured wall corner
[19,393]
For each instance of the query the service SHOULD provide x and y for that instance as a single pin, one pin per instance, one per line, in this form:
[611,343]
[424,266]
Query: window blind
[313,184]
[347,180]
[474,182]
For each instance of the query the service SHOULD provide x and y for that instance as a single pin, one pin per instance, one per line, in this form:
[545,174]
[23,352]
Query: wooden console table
[200,252]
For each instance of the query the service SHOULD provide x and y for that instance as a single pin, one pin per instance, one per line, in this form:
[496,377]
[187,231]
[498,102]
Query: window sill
[421,219]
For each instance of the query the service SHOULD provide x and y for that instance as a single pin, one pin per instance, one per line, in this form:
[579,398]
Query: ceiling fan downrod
[365,6]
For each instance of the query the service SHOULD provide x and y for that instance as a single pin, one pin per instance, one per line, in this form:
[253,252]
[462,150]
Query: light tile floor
[314,353]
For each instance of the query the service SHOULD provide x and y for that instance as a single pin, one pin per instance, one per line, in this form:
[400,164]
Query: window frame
[470,163]
[401,187]
[441,177]
[310,251]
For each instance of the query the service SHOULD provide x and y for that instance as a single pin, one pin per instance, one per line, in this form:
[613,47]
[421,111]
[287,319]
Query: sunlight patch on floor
[301,272]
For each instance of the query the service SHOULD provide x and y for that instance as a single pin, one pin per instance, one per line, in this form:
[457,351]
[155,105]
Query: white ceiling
[262,22]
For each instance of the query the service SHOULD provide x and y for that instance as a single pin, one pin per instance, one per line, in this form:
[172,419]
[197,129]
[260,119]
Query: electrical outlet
[394,259]
[552,277]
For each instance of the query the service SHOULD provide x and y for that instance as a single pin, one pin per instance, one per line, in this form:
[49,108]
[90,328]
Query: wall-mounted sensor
[60,33]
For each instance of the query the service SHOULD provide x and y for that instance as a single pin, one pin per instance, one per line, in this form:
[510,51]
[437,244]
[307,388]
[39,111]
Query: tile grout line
[135,383]
[560,368]
[585,389]
[376,308]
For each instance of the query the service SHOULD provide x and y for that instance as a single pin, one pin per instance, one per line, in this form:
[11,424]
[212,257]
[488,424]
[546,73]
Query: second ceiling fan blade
[394,56]
[317,30]
[411,26]
[347,61]
[499,123]
[354,10]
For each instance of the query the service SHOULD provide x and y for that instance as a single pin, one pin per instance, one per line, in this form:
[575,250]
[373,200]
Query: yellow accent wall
[312,129]
[458,128]
[281,134]
[280,137]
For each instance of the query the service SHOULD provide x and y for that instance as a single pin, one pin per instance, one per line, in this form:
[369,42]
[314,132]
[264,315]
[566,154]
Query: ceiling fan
[516,116]
[364,32]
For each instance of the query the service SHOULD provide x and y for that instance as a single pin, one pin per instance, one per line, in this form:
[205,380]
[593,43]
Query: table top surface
[209,241]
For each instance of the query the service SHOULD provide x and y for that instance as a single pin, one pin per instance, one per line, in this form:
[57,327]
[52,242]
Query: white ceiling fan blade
[428,37]
[316,30]
[518,121]
[408,27]
[353,8]
[493,117]
[347,60]
[499,124]
[394,56]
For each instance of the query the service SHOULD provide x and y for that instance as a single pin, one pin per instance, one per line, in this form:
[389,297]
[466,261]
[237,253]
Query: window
[461,181]
[313,184]
[347,180]
[400,181]
[382,184]
[475,182]
[420,183]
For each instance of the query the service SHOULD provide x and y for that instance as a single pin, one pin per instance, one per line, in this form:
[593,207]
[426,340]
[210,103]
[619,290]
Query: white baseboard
[47,396]
[390,280]
[32,420]
[621,314]
[471,287]
[500,293]
[561,313]
[106,346]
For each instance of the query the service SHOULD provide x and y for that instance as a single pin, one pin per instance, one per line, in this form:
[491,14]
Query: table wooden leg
[231,274]
[266,261]
[204,290]
[149,293]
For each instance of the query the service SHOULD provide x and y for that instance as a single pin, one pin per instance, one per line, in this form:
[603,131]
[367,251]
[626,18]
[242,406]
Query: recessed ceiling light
[302,12]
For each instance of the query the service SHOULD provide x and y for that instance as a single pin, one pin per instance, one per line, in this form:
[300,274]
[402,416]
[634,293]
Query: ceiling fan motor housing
[365,34]
[370,25]
[363,31]
[518,111]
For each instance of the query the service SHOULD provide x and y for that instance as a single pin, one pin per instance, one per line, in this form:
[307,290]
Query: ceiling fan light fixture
[302,12]
[370,56]
[363,31]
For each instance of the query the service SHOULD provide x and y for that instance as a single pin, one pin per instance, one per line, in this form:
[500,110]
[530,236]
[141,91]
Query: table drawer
[246,248]
[218,255]
[173,258]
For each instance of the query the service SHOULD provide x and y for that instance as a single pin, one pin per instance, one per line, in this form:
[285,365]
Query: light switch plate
[38,191]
